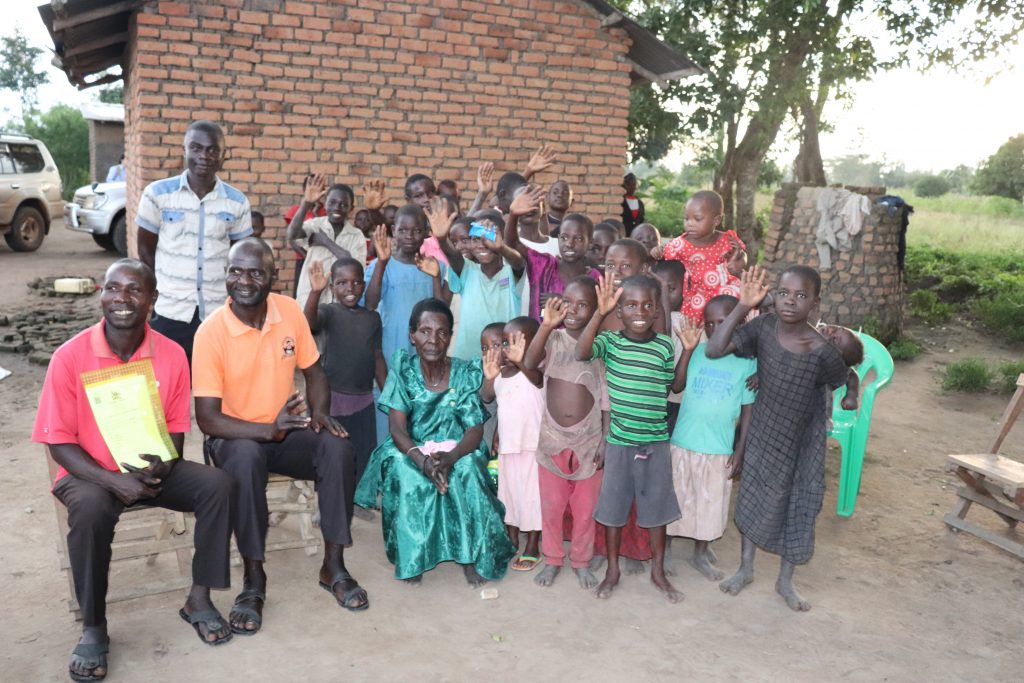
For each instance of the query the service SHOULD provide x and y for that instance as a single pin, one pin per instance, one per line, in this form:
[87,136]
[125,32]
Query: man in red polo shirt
[244,361]
[92,486]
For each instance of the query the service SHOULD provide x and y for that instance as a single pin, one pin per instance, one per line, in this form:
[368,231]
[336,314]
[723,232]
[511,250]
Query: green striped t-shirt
[639,378]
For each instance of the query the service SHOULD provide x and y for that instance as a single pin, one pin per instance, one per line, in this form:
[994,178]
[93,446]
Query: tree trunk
[746,192]
[808,167]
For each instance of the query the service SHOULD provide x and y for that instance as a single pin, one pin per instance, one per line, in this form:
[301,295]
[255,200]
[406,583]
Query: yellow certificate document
[126,404]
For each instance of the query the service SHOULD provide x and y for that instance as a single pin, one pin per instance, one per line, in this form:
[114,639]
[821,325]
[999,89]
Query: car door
[35,173]
[10,192]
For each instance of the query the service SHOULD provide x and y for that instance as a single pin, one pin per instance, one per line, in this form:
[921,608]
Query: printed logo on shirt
[503,283]
[288,347]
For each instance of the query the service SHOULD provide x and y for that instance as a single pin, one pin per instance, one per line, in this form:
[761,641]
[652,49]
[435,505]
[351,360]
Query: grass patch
[1006,381]
[904,348]
[925,304]
[971,375]
[1003,312]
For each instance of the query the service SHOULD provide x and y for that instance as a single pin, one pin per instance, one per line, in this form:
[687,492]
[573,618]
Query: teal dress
[421,527]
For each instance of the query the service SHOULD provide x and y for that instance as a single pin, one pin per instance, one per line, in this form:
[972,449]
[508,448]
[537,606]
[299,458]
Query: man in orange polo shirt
[92,486]
[244,363]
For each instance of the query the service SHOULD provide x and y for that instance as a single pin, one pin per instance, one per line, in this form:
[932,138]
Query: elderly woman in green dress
[437,500]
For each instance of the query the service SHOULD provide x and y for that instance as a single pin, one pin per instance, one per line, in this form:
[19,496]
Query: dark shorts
[641,473]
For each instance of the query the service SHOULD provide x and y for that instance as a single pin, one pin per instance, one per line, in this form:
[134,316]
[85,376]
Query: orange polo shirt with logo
[252,371]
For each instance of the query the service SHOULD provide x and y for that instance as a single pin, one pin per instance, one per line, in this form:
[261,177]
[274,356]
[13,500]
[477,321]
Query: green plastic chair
[850,427]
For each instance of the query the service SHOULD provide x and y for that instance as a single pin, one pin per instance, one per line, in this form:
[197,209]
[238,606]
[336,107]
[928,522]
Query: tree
[1002,174]
[18,70]
[112,94]
[931,186]
[66,134]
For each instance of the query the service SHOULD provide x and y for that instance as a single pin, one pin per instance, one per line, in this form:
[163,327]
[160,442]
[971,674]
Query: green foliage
[770,175]
[1002,174]
[931,186]
[1002,312]
[904,348]
[1008,372]
[112,94]
[66,134]
[970,375]
[925,304]
[665,196]
[18,70]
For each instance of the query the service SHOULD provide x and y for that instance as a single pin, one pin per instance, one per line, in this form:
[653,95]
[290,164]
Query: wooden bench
[992,481]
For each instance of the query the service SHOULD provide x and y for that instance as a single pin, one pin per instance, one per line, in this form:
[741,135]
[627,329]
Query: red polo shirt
[64,413]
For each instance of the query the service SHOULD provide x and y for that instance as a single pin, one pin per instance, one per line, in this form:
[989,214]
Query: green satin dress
[421,527]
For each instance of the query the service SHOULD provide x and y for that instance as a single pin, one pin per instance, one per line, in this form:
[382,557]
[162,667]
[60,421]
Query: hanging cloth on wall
[842,215]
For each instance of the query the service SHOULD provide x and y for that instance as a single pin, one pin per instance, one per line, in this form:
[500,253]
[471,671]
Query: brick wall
[863,286]
[378,89]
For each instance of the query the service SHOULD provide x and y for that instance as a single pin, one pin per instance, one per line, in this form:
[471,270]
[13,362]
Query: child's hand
[382,242]
[317,239]
[753,287]
[516,347]
[318,279]
[428,265]
[752,382]
[554,312]
[527,202]
[689,333]
[849,402]
[734,465]
[316,189]
[373,195]
[657,253]
[541,160]
[736,260]
[599,454]
[492,364]
[607,295]
[496,244]
[485,178]
[440,220]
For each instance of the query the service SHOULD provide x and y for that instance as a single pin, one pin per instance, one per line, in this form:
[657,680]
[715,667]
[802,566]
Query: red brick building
[369,89]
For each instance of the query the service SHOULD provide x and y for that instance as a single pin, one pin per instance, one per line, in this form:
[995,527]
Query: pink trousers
[580,497]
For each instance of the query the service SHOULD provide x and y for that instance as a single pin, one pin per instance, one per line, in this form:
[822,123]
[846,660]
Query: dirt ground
[896,596]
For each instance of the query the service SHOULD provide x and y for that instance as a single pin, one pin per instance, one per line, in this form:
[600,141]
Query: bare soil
[895,595]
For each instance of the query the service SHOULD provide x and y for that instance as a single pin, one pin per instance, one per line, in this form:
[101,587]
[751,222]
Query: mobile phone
[482,231]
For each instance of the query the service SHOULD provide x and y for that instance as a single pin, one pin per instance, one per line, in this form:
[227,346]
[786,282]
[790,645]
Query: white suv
[99,210]
[30,190]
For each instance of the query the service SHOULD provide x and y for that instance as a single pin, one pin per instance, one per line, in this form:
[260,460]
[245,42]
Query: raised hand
[736,260]
[440,219]
[428,265]
[485,178]
[753,286]
[316,189]
[374,198]
[657,253]
[607,295]
[492,364]
[528,201]
[318,279]
[496,244]
[688,333]
[516,348]
[382,242]
[555,312]
[541,160]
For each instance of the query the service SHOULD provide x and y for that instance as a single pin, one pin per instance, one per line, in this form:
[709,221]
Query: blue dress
[421,527]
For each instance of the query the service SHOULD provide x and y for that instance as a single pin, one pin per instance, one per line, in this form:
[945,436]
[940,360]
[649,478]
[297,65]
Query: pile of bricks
[864,287]
[38,330]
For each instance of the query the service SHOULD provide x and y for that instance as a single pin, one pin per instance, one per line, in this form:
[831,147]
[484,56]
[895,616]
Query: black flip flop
[349,595]
[248,612]
[93,656]
[210,618]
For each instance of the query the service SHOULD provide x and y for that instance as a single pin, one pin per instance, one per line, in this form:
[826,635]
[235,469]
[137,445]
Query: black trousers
[362,432]
[177,331]
[303,454]
[93,512]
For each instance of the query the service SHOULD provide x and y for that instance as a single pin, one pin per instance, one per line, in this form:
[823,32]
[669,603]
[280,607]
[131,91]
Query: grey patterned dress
[783,478]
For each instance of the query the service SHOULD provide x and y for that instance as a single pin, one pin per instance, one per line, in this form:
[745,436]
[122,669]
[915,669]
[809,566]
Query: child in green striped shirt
[640,369]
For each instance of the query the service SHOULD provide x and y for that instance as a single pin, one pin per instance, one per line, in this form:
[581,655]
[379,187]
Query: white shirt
[349,239]
[195,235]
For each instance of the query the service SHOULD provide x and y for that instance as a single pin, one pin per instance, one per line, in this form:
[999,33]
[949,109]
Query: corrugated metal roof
[89,37]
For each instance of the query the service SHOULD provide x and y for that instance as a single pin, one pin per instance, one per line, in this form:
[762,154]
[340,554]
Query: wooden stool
[141,532]
[993,482]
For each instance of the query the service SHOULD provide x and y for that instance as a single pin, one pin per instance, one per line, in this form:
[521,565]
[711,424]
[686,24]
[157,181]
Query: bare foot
[585,577]
[472,578]
[596,562]
[737,582]
[547,575]
[661,582]
[604,591]
[631,567]
[792,598]
[414,580]
[705,565]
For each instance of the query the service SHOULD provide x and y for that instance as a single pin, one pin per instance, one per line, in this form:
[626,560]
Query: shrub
[925,304]
[931,186]
[1002,312]
[904,348]
[1002,173]
[970,375]
[1008,372]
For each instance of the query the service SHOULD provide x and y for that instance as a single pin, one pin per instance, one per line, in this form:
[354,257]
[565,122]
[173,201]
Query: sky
[929,122]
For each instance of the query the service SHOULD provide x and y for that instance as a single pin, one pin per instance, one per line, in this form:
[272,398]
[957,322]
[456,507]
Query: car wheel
[119,235]
[105,241]
[27,230]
